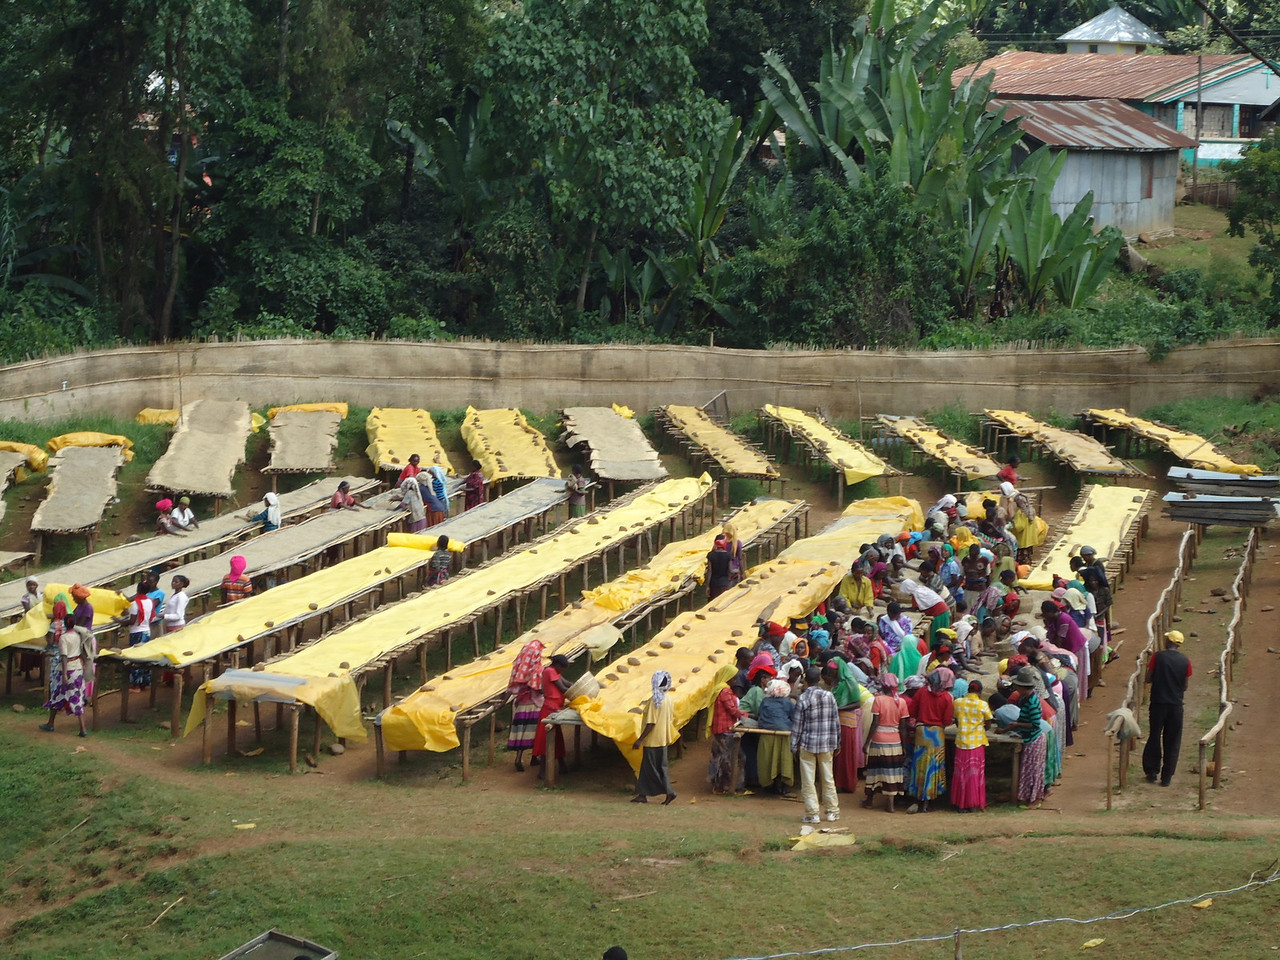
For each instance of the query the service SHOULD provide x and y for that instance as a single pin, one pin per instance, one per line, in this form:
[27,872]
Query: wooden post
[293,737]
[123,672]
[316,734]
[466,752]
[493,735]
[381,765]
[549,760]
[206,731]
[1203,773]
[257,722]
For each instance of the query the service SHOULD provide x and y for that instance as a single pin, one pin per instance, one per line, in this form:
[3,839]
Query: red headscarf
[526,669]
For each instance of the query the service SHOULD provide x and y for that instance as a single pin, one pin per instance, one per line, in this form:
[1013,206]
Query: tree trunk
[586,269]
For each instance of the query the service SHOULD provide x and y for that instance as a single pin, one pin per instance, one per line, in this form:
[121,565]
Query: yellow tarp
[1192,448]
[400,624]
[624,411]
[693,646]
[156,415]
[395,434]
[339,408]
[857,462]
[37,459]
[107,605]
[957,456]
[1103,518]
[861,523]
[506,445]
[1078,451]
[425,720]
[88,438]
[734,454]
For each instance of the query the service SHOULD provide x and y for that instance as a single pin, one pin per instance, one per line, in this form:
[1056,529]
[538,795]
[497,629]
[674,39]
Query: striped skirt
[524,725]
[929,770]
[1031,776]
[886,767]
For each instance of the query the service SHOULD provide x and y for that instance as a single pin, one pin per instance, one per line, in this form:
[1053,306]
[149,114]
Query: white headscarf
[1008,489]
[273,508]
[923,596]
[661,684]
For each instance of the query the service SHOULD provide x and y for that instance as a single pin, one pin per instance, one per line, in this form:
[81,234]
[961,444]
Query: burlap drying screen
[81,485]
[1102,518]
[206,448]
[733,454]
[506,445]
[398,625]
[303,441]
[395,434]
[956,456]
[425,720]
[1194,449]
[856,461]
[1080,452]
[617,447]
[113,563]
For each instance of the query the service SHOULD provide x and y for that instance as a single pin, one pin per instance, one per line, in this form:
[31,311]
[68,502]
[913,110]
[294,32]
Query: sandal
[47,727]
[670,797]
[639,799]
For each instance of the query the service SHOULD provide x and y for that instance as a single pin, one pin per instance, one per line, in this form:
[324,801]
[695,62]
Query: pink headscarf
[238,564]
[165,505]
[889,681]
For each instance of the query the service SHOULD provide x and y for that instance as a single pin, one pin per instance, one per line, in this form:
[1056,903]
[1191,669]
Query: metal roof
[1114,26]
[1151,78]
[1093,125]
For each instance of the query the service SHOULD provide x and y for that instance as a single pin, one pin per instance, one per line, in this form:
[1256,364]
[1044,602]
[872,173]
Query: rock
[1175,619]
[1218,591]
[337,749]
[1142,578]
[163,725]
[1193,634]
[19,708]
[1267,609]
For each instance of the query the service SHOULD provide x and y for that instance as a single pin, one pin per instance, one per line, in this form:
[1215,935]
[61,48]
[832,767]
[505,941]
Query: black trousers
[1164,740]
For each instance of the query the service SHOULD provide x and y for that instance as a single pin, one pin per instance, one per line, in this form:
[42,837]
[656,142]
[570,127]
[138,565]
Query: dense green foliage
[561,169]
[1257,209]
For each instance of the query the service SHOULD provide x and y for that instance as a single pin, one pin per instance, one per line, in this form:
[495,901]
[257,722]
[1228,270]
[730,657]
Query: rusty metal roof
[1093,125]
[1114,26]
[1151,78]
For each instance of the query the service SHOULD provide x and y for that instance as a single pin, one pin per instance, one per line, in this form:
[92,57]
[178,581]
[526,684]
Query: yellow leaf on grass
[245,826]
[1207,902]
[1090,944]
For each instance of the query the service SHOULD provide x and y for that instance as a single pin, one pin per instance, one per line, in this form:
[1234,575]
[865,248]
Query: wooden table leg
[175,717]
[257,721]
[315,736]
[549,759]
[466,752]
[293,737]
[380,768]
[206,732]
[1017,768]
[232,709]
[124,692]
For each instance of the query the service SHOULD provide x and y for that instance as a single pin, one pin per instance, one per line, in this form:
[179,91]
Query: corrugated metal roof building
[1112,31]
[1234,90]
[1128,160]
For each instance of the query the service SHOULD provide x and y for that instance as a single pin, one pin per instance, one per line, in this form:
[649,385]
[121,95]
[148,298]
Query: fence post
[1203,772]
[1219,749]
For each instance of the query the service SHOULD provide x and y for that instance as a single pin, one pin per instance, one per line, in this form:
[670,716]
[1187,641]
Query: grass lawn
[1201,242]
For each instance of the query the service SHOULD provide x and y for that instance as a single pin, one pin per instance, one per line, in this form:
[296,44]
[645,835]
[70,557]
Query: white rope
[1116,915]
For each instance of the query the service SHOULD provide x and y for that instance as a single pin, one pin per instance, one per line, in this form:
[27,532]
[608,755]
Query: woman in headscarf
[658,731]
[525,689]
[411,500]
[269,516]
[83,613]
[929,603]
[1030,785]
[933,709]
[57,626]
[554,685]
[774,767]
[733,543]
[849,694]
[895,627]
[1028,529]
[235,585]
[1062,631]
[474,495]
[886,763]
[723,713]
[75,645]
[440,493]
[166,523]
[32,598]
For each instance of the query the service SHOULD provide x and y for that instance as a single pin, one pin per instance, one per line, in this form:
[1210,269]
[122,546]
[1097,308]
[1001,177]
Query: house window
[1148,176]
[1093,48]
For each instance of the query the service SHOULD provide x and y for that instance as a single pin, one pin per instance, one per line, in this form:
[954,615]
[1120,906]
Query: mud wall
[543,377]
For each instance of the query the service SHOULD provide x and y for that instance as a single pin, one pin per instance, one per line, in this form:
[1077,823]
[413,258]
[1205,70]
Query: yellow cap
[1174,636]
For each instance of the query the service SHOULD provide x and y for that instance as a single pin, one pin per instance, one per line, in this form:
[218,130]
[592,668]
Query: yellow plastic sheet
[623,411]
[107,605]
[1078,451]
[89,438]
[396,433]
[957,456]
[1192,448]
[862,522]
[1104,516]
[857,462]
[425,720]
[339,408]
[692,649]
[395,626]
[506,445]
[263,612]
[334,696]
[734,454]
[156,415]
[37,459]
